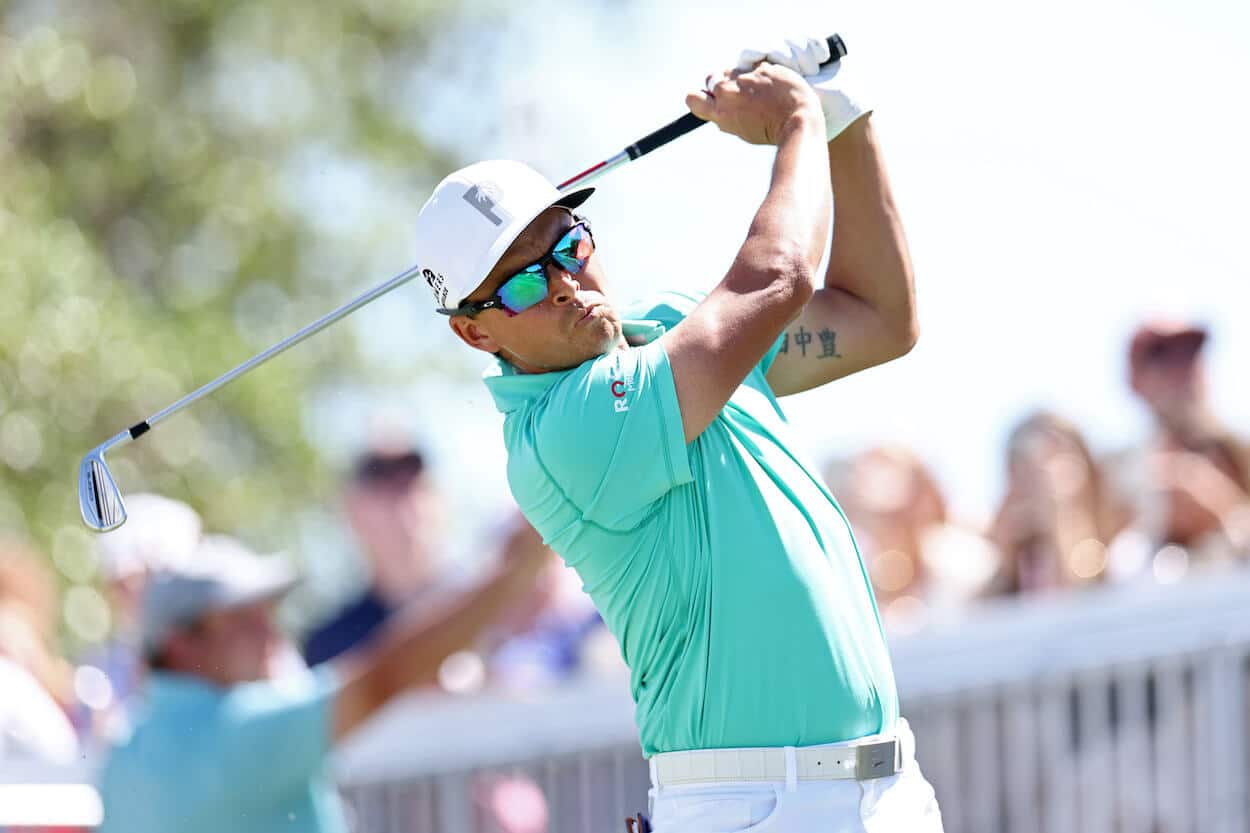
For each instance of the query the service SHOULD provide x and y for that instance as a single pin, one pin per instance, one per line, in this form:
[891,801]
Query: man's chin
[612,336]
[609,340]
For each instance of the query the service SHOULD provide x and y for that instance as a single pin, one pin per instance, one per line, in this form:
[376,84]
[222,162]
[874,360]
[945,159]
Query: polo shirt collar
[513,390]
[165,688]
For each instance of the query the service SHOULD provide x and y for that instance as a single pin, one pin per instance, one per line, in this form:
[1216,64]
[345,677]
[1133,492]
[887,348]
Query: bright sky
[1061,170]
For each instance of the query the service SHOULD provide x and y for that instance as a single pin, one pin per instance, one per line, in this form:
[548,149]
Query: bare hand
[756,106]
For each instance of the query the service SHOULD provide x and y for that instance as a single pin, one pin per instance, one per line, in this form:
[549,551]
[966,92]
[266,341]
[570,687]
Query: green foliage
[150,239]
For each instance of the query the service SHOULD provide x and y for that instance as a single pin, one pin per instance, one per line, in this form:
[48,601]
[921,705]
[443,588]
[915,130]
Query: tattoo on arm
[829,344]
[803,338]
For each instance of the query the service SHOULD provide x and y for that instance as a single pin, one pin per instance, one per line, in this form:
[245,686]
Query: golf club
[669,132]
[99,499]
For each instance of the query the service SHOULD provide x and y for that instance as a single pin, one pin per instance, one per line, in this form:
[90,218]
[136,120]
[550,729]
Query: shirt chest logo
[621,387]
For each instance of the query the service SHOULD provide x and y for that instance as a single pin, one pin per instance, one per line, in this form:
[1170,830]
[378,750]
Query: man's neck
[523,367]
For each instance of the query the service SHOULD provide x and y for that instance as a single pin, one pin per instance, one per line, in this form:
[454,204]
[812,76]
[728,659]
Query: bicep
[835,335]
[359,695]
[720,342]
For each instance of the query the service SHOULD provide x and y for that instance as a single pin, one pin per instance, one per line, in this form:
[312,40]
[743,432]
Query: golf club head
[99,499]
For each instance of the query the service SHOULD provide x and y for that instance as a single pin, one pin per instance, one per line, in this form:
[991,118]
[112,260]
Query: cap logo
[486,198]
[437,283]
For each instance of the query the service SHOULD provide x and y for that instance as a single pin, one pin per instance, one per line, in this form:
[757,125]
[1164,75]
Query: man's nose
[562,286]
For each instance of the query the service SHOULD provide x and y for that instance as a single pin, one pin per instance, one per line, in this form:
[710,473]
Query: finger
[701,104]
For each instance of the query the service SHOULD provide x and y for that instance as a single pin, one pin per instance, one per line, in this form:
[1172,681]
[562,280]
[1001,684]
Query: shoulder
[583,416]
[576,389]
[596,394]
[290,693]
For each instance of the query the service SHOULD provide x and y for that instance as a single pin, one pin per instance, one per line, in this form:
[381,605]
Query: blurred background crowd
[1174,504]
[183,183]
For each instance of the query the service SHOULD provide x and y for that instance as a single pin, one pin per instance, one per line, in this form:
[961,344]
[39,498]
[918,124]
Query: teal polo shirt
[204,759]
[724,567]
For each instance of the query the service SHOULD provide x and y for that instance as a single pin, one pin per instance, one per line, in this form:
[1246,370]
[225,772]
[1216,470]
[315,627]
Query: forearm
[412,647]
[869,259]
[792,223]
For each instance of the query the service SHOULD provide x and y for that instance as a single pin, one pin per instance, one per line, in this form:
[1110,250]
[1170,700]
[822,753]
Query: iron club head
[99,499]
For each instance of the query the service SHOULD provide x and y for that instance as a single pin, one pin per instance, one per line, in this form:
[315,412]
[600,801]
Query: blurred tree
[181,184]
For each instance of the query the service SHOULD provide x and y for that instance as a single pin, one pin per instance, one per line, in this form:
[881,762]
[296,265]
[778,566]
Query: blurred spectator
[159,533]
[509,804]
[393,510]
[34,680]
[1054,521]
[557,635]
[1183,496]
[221,745]
[1166,373]
[1199,513]
[29,588]
[923,566]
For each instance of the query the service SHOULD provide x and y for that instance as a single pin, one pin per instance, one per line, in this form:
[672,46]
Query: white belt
[877,757]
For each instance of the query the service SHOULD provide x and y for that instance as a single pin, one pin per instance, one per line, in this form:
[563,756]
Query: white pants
[902,803]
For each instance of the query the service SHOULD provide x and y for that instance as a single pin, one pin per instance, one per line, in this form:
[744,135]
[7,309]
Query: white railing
[36,796]
[1117,710]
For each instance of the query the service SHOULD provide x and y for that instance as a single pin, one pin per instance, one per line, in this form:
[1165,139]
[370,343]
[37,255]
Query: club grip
[682,126]
[666,134]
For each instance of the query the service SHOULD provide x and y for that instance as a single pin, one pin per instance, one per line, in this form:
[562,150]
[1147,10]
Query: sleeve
[670,308]
[261,719]
[611,435]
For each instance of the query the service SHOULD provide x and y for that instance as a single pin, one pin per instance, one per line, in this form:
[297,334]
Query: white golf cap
[472,218]
[161,532]
[221,574]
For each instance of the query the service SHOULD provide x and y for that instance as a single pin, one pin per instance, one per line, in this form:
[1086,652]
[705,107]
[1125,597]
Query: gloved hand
[805,57]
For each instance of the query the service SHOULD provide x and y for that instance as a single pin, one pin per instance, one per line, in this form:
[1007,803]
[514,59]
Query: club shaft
[591,174]
[676,128]
[292,340]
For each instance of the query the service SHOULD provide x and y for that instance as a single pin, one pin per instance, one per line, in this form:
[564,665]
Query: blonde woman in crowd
[924,566]
[1054,521]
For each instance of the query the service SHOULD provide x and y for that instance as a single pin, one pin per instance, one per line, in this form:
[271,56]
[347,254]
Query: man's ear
[473,334]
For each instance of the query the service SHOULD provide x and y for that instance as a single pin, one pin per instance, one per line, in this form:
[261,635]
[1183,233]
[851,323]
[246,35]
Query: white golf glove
[805,58]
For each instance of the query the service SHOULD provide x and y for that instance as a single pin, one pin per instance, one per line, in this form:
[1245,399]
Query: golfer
[647,446]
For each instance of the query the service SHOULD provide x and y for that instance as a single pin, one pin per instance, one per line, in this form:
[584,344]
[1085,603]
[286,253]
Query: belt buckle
[876,760]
